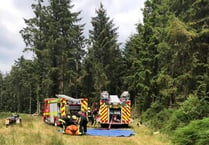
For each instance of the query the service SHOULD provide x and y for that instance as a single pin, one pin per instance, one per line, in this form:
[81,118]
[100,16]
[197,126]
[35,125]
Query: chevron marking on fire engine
[126,113]
[103,113]
[84,105]
[62,107]
[125,116]
[127,110]
[103,109]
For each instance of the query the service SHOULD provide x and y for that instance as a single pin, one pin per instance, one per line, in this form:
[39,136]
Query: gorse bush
[159,121]
[192,109]
[155,108]
[169,119]
[156,116]
[175,120]
[195,133]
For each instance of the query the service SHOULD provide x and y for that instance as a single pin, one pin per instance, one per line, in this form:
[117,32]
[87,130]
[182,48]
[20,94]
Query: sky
[125,14]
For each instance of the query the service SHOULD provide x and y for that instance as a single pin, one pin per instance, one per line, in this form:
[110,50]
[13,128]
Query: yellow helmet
[74,117]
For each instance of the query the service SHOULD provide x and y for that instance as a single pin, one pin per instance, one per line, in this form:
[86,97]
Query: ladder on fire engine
[71,99]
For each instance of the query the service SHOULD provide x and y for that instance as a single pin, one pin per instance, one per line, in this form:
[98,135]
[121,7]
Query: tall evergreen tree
[65,48]
[190,30]
[56,38]
[21,96]
[1,91]
[104,53]
[35,38]
[146,53]
[136,77]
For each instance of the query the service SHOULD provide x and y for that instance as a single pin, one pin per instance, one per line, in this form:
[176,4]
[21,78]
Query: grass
[33,131]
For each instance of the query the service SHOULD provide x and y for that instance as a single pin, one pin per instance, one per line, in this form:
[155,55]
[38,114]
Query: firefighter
[66,121]
[90,116]
[73,128]
[82,122]
[94,114]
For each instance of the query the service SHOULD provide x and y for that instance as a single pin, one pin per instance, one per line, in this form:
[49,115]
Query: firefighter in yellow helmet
[66,121]
[73,129]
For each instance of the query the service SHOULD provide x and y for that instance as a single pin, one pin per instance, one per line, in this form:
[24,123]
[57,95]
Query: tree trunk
[30,99]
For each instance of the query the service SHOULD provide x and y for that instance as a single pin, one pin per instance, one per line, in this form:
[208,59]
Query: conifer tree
[104,53]
[55,36]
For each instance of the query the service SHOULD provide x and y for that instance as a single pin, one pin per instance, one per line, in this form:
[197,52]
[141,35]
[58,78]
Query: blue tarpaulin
[110,132]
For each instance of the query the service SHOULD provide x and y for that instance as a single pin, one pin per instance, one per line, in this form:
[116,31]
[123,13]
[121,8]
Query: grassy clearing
[33,131]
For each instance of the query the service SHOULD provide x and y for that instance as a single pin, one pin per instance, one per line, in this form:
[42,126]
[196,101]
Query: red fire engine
[114,110]
[56,108]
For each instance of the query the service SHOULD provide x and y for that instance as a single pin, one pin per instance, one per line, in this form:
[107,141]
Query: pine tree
[1,91]
[65,47]
[148,53]
[55,36]
[35,38]
[192,23]
[104,53]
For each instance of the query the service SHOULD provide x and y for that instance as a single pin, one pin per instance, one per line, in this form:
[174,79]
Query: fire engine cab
[114,109]
[63,105]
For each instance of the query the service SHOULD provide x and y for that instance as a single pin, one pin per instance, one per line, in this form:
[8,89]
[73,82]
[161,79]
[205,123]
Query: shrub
[192,109]
[175,120]
[158,121]
[155,108]
[156,116]
[195,133]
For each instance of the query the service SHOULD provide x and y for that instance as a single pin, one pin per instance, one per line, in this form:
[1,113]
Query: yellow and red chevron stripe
[62,107]
[84,105]
[126,112]
[103,111]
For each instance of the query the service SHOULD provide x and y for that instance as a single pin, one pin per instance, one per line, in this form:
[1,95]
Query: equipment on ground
[110,132]
[63,105]
[72,130]
[114,110]
[14,119]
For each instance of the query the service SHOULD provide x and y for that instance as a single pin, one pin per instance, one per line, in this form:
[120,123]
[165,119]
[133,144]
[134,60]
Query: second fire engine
[63,105]
[114,109]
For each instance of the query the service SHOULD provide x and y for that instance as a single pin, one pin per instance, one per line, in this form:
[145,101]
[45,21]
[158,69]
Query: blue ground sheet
[110,132]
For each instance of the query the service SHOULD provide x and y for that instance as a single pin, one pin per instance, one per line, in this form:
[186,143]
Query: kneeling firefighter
[73,129]
[74,125]
[67,121]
